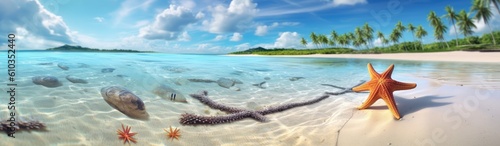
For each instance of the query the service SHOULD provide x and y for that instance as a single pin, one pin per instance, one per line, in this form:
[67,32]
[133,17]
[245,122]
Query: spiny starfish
[173,133]
[126,135]
[382,86]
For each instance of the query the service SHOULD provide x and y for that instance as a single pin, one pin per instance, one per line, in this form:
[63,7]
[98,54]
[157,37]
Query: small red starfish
[126,135]
[173,133]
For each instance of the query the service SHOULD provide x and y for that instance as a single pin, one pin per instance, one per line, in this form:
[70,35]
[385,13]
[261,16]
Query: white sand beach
[454,56]
[437,112]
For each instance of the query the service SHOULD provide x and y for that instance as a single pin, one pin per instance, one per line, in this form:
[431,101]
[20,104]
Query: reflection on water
[482,75]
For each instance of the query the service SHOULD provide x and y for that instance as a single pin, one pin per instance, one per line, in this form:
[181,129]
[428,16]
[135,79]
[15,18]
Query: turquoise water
[82,106]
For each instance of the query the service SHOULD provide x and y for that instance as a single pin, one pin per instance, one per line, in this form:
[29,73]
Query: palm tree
[411,28]
[342,40]
[350,38]
[494,2]
[359,38]
[483,13]
[452,16]
[385,41]
[368,33]
[303,42]
[465,24]
[323,40]
[380,36]
[395,36]
[439,27]
[334,37]
[400,27]
[420,32]
[314,39]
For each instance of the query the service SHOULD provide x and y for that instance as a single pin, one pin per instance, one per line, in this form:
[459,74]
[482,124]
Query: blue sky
[208,26]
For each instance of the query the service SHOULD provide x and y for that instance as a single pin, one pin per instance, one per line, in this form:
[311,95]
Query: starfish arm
[372,72]
[388,97]
[364,87]
[388,72]
[392,106]
[395,85]
[370,100]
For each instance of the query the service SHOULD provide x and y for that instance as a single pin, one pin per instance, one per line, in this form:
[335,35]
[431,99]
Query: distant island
[291,51]
[69,48]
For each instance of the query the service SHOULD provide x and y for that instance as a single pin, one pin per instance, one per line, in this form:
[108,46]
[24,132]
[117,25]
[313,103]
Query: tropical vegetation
[362,38]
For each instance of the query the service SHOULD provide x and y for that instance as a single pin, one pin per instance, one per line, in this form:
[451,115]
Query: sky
[211,26]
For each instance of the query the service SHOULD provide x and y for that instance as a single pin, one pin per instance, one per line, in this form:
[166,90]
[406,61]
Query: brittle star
[238,114]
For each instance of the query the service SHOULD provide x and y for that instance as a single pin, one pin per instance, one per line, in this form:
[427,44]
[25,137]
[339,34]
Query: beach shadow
[408,106]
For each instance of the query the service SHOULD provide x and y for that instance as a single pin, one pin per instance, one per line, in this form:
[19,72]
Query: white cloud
[234,18]
[348,2]
[169,24]
[377,42]
[34,26]
[99,19]
[236,37]
[141,23]
[128,6]
[262,30]
[200,15]
[242,47]
[288,40]
[219,37]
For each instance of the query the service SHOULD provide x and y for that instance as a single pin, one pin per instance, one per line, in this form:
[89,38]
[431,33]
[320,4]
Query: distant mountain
[69,48]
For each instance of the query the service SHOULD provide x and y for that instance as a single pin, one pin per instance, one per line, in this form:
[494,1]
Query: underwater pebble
[47,63]
[295,78]
[107,70]
[74,79]
[125,101]
[260,85]
[225,82]
[47,81]
[62,66]
[201,80]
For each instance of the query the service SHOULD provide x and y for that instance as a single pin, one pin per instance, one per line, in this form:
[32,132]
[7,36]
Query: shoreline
[454,56]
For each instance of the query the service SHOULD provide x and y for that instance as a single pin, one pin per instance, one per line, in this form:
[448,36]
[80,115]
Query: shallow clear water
[76,114]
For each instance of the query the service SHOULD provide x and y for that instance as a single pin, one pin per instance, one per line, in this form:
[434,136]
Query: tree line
[462,22]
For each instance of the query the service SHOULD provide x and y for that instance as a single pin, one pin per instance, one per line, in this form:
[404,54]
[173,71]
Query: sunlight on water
[77,114]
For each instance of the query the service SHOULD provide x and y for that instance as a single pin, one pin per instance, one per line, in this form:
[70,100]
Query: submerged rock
[47,81]
[260,85]
[45,63]
[83,65]
[225,82]
[125,101]
[74,79]
[62,66]
[295,78]
[201,80]
[107,70]
[236,81]
[168,93]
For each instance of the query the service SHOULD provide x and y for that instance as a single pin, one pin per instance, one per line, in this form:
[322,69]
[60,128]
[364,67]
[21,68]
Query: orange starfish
[126,135]
[382,86]
[173,133]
